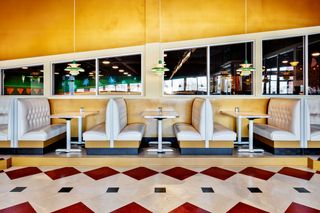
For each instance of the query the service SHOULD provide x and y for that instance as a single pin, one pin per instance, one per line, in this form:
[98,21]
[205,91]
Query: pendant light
[74,68]
[160,68]
[246,68]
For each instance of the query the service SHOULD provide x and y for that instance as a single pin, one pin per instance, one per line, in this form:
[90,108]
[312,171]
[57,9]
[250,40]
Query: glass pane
[283,66]
[225,60]
[186,67]
[80,84]
[120,75]
[23,81]
[314,61]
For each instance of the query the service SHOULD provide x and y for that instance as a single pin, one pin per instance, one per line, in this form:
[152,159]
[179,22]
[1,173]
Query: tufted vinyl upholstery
[284,121]
[34,120]
[313,119]
[6,118]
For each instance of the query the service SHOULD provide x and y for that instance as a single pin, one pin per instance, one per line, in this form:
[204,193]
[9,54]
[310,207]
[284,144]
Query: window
[120,75]
[82,84]
[313,64]
[187,73]
[224,62]
[23,81]
[283,66]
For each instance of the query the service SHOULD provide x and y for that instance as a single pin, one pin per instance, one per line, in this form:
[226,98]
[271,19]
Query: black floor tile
[160,190]
[18,189]
[301,190]
[112,190]
[207,189]
[254,190]
[65,189]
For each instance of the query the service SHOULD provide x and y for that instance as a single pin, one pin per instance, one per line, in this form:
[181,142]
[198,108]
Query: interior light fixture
[285,61]
[121,70]
[74,68]
[125,73]
[246,68]
[115,67]
[315,54]
[294,63]
[160,67]
[106,62]
[56,73]
[129,74]
[24,68]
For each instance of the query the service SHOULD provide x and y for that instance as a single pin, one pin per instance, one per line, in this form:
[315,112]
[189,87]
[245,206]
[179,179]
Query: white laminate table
[251,116]
[68,116]
[159,116]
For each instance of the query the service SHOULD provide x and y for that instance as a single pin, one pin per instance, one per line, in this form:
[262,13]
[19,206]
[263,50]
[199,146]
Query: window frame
[19,66]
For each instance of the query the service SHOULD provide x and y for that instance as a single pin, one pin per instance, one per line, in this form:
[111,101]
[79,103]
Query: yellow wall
[35,27]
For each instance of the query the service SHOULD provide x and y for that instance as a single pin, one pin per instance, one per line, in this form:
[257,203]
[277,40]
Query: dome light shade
[74,68]
[246,68]
[160,68]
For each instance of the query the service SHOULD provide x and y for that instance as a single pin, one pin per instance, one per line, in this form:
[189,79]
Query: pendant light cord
[246,25]
[74,26]
[160,55]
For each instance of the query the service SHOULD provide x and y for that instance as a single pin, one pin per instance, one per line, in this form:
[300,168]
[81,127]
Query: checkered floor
[159,189]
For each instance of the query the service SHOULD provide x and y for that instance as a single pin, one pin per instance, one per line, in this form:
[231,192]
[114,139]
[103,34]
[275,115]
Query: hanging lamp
[74,68]
[246,68]
[160,67]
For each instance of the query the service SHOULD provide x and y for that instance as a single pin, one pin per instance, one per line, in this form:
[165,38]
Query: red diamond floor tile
[179,173]
[100,173]
[297,173]
[188,208]
[318,172]
[62,172]
[242,207]
[140,173]
[19,173]
[257,173]
[219,173]
[77,207]
[20,208]
[132,208]
[299,208]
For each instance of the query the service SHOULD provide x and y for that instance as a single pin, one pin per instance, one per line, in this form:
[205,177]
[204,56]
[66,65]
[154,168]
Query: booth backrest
[5,104]
[120,117]
[313,111]
[285,114]
[202,119]
[33,113]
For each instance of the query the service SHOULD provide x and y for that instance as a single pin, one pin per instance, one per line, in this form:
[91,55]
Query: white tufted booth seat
[221,133]
[121,130]
[313,120]
[6,118]
[196,131]
[97,133]
[34,121]
[284,121]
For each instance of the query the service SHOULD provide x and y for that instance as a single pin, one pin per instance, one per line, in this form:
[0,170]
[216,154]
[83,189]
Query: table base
[68,150]
[251,150]
[160,150]
[163,142]
[241,143]
[78,142]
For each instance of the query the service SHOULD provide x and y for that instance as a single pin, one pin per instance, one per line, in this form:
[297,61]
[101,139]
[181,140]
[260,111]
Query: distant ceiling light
[165,55]
[115,67]
[90,73]
[316,54]
[24,68]
[106,62]
[121,70]
[285,61]
[126,73]
[67,75]
[129,74]
[41,70]
[56,73]
[294,63]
